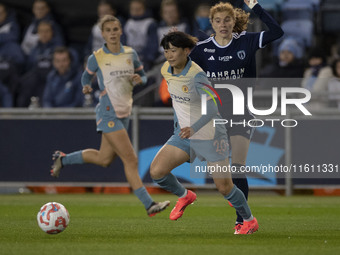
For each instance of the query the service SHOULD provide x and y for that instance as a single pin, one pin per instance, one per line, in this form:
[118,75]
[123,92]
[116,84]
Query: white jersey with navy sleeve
[114,76]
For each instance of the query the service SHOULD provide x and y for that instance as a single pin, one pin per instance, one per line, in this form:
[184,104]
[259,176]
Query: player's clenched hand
[186,132]
[173,29]
[136,79]
[87,89]
[250,3]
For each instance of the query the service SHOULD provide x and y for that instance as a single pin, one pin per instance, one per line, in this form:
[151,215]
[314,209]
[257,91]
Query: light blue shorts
[106,118]
[205,150]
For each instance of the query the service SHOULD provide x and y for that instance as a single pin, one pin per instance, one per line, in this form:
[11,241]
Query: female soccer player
[194,134]
[230,55]
[118,69]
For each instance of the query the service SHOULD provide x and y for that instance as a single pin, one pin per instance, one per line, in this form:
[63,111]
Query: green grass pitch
[117,224]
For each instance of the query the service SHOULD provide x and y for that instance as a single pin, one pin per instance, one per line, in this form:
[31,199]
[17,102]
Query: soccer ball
[53,218]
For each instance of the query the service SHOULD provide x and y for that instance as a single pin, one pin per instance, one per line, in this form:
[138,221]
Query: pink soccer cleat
[181,204]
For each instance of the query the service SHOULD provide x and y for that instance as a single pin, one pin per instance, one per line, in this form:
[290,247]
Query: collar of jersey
[184,71]
[216,43]
[106,50]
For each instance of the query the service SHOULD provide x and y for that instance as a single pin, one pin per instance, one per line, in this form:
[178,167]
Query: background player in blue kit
[194,134]
[230,55]
[118,69]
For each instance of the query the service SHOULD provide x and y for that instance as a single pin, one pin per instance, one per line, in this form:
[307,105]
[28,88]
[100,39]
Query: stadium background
[47,134]
[77,17]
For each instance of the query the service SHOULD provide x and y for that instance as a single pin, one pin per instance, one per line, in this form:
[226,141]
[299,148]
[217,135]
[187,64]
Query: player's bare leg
[102,157]
[120,142]
[121,145]
[235,196]
[240,146]
[168,158]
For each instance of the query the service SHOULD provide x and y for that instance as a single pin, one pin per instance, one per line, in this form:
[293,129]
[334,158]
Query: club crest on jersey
[241,54]
[185,89]
[111,124]
[128,61]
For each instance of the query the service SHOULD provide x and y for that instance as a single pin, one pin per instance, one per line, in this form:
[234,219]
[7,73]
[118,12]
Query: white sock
[250,218]
[185,193]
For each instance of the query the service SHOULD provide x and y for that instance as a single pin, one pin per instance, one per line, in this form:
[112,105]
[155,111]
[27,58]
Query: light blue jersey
[185,90]
[114,72]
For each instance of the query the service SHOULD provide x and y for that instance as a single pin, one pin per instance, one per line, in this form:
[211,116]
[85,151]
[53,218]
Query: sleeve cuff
[251,6]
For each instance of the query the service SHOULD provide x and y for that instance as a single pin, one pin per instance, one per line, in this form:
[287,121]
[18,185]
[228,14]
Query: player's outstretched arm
[275,31]
[250,3]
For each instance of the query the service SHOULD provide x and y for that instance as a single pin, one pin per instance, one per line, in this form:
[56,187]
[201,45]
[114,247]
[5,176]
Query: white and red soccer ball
[53,218]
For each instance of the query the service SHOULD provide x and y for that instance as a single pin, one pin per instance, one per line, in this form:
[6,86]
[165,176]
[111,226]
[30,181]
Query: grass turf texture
[117,224]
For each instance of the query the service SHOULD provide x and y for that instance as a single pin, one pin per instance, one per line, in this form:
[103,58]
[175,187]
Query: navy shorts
[242,129]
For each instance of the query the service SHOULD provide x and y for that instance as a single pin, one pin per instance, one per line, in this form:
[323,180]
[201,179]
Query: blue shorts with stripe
[106,118]
[205,150]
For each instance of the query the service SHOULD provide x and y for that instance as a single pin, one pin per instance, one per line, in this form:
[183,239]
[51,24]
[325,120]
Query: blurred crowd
[39,69]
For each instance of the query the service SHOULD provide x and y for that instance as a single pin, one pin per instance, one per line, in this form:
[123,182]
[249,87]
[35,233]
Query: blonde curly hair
[240,17]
